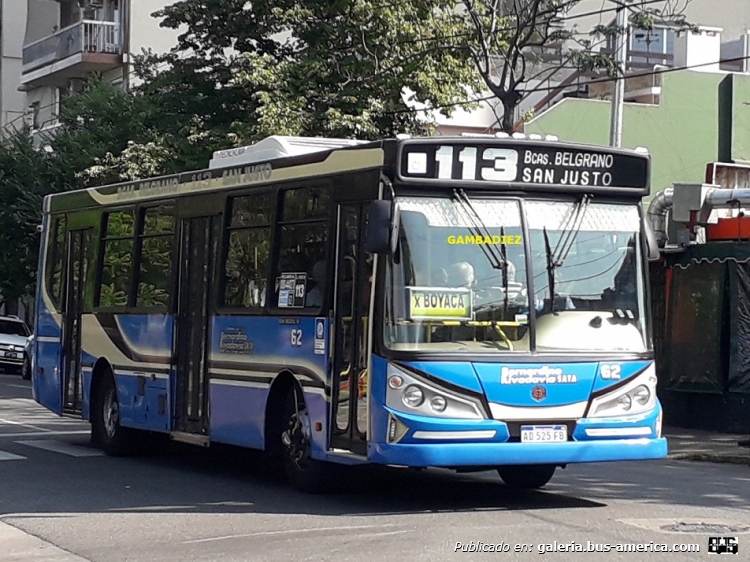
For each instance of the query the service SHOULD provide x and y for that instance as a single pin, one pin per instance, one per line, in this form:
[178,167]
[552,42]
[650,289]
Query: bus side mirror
[382,228]
[652,246]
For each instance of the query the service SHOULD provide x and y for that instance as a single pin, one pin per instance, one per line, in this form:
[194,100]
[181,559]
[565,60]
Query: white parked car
[15,338]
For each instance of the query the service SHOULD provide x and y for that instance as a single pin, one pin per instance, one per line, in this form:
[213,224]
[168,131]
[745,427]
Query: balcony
[643,60]
[73,52]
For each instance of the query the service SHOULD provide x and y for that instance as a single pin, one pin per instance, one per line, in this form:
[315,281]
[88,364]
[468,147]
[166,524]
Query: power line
[618,5]
[666,70]
[593,81]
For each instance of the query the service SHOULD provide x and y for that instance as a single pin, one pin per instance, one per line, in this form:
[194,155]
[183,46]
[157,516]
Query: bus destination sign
[535,164]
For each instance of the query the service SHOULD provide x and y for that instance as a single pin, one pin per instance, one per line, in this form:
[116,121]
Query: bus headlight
[625,402]
[413,396]
[411,393]
[438,403]
[636,397]
[642,395]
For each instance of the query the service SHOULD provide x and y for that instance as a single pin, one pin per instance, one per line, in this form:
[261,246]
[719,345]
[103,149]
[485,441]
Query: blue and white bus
[470,303]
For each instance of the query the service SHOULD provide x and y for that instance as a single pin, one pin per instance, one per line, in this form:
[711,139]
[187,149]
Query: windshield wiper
[556,258]
[479,229]
[504,254]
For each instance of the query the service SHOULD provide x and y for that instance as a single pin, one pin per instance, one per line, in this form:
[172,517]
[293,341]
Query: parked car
[15,338]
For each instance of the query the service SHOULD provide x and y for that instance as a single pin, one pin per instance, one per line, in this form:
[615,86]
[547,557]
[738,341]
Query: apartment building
[51,47]
[12,102]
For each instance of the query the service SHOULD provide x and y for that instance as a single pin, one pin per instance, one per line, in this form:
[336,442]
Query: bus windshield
[459,280]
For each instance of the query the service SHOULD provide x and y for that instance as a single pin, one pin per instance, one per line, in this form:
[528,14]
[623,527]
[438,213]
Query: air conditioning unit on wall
[76,85]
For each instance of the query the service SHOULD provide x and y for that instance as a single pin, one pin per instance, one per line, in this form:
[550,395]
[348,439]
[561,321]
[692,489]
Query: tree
[511,40]
[95,125]
[303,67]
[26,175]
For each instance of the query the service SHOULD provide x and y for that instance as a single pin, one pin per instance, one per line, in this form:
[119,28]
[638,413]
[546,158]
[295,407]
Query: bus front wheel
[26,368]
[303,472]
[114,439]
[527,477]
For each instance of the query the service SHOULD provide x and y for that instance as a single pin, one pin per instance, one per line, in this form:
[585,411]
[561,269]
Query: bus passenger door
[349,386]
[198,250]
[75,281]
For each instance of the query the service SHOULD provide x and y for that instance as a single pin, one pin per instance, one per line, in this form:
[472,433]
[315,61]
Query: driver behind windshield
[461,275]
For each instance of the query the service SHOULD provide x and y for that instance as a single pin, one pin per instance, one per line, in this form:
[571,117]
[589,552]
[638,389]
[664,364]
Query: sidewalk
[18,546]
[698,445]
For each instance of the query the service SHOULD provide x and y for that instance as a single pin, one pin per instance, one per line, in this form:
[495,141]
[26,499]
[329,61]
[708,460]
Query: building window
[647,46]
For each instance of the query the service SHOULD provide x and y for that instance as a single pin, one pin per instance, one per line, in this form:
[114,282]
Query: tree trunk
[508,122]
[11,307]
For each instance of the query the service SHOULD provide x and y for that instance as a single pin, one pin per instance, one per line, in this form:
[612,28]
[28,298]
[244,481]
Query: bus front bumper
[453,455]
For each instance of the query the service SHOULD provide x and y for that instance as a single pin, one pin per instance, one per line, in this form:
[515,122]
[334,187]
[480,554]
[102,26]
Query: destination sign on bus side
[537,164]
[195,181]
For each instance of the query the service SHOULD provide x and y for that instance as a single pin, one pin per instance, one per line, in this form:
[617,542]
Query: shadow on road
[224,480]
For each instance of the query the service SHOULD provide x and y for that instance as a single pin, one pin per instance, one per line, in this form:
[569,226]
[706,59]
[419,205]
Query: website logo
[723,545]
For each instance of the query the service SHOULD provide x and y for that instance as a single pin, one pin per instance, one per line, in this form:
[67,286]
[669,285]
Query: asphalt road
[62,501]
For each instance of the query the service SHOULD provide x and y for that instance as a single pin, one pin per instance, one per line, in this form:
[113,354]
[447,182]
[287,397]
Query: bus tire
[303,472]
[26,368]
[527,477]
[114,439]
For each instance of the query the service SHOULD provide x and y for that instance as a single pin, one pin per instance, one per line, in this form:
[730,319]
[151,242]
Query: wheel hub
[296,438]
[111,414]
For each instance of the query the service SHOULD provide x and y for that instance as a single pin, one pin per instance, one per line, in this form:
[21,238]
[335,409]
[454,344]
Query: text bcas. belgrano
[588,169]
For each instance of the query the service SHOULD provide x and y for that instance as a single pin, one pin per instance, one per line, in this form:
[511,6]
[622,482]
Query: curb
[710,457]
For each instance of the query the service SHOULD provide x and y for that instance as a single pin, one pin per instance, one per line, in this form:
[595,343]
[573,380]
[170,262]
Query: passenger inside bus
[314,297]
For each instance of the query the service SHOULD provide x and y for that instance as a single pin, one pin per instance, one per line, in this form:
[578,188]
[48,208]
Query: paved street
[63,501]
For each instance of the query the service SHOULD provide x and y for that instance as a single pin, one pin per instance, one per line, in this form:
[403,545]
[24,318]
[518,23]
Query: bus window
[248,254]
[55,260]
[155,250]
[303,247]
[116,275]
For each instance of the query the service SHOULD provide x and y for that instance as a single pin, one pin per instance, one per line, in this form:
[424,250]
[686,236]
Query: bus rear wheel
[303,472]
[527,477]
[114,439]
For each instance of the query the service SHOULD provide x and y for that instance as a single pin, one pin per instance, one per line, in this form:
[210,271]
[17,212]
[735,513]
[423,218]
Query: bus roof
[274,147]
[283,158]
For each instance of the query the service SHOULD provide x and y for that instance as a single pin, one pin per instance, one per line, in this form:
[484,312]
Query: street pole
[618,96]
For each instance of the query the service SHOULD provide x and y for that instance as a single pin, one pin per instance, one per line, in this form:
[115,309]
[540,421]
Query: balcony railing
[644,59]
[86,36]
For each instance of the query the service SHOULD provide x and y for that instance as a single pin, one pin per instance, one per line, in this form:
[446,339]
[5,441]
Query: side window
[249,251]
[56,259]
[117,267]
[155,240]
[303,272]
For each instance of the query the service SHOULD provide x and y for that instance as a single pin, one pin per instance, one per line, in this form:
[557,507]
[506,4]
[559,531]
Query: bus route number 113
[504,163]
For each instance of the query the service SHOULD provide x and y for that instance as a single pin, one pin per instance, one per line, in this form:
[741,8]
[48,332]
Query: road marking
[292,531]
[11,422]
[24,386]
[5,456]
[44,433]
[64,448]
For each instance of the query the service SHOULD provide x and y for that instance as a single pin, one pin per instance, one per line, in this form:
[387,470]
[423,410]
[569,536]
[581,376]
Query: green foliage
[136,161]
[26,175]
[342,72]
